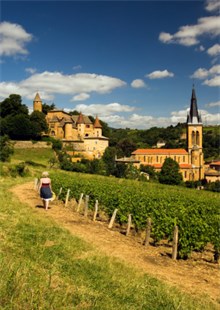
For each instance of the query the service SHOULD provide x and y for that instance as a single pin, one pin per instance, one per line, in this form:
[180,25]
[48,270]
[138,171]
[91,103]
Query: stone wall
[31,145]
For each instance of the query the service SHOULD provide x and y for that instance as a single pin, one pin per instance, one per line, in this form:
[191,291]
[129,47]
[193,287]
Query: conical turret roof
[97,123]
[37,97]
[80,119]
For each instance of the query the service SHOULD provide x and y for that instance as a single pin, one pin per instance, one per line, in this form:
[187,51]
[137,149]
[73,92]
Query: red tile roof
[160,152]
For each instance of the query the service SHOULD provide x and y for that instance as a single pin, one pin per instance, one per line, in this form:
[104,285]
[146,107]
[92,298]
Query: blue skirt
[45,193]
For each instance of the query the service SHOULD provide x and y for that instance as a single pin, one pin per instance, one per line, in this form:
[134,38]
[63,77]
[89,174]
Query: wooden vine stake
[129,225]
[86,206]
[79,203]
[60,191]
[175,242]
[67,197]
[36,184]
[112,219]
[96,210]
[148,232]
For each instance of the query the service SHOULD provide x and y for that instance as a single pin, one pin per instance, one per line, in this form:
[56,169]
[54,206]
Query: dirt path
[196,275]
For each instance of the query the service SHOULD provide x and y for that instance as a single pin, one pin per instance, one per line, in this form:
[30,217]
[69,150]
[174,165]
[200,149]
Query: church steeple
[193,116]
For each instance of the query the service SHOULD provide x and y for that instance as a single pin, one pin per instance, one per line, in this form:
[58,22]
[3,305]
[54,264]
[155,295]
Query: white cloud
[104,109]
[80,97]
[138,83]
[159,74]
[213,104]
[214,50]
[212,5]
[212,75]
[30,70]
[213,82]
[188,35]
[50,83]
[13,39]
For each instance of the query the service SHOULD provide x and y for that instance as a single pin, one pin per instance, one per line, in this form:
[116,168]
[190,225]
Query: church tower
[194,139]
[37,103]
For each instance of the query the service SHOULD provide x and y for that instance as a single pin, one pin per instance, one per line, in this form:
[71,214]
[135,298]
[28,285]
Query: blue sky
[132,63]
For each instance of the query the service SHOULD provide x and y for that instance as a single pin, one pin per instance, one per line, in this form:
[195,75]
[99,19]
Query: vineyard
[196,213]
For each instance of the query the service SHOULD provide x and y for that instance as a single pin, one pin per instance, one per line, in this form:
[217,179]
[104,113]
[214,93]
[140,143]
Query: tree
[169,173]
[46,108]
[39,123]
[127,146]
[12,106]
[6,148]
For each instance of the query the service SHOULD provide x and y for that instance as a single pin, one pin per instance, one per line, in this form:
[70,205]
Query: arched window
[197,138]
[193,138]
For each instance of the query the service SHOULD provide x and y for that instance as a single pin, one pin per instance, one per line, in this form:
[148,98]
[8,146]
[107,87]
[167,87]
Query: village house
[77,132]
[191,160]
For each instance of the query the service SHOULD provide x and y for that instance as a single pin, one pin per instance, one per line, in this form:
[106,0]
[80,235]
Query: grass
[40,156]
[43,266]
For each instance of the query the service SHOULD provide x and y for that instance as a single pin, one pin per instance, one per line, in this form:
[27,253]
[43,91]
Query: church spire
[193,116]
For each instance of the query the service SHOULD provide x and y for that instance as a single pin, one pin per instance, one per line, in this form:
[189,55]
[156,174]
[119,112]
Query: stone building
[191,161]
[77,132]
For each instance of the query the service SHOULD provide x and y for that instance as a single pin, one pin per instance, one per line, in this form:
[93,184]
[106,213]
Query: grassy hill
[43,266]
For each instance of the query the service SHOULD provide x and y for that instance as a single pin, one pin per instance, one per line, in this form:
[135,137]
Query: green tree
[12,106]
[6,148]
[39,123]
[19,127]
[47,107]
[169,173]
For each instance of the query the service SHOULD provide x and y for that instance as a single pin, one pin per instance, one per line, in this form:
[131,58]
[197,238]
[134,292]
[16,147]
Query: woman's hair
[45,174]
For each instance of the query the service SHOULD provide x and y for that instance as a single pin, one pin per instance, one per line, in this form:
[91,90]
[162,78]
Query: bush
[6,148]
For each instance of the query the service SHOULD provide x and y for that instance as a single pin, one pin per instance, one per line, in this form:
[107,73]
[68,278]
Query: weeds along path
[196,276]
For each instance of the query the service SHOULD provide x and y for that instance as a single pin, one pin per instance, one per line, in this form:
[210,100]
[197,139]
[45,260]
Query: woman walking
[45,189]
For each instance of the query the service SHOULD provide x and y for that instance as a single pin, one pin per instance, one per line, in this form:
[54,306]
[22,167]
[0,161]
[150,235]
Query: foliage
[169,173]
[39,123]
[56,144]
[6,148]
[197,215]
[43,266]
[47,107]
[12,106]
[150,170]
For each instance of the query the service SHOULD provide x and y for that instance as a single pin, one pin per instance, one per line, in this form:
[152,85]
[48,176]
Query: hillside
[196,276]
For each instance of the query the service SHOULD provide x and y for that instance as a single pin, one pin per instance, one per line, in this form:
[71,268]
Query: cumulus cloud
[80,97]
[212,75]
[159,74]
[13,39]
[213,104]
[188,35]
[50,83]
[214,50]
[138,83]
[104,109]
[212,5]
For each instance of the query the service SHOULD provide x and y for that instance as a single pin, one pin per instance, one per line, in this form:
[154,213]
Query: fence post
[86,206]
[112,219]
[148,232]
[60,191]
[96,210]
[79,203]
[67,197]
[175,242]
[129,225]
[36,184]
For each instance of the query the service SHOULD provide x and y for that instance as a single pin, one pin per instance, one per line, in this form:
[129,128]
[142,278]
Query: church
[190,160]
[77,132]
